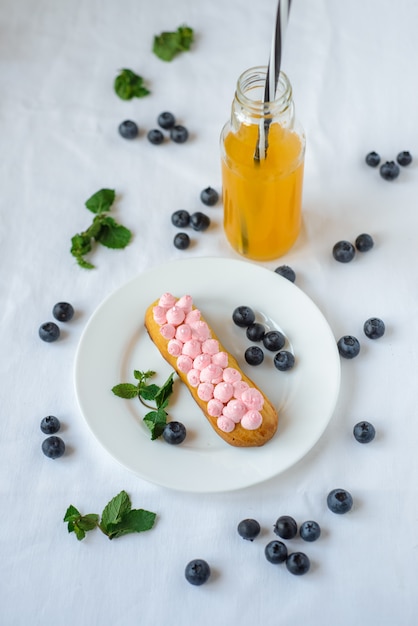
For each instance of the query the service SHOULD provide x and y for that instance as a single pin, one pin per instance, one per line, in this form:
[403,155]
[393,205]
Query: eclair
[234,406]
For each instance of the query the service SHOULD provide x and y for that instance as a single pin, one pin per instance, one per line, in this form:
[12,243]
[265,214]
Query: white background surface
[353,69]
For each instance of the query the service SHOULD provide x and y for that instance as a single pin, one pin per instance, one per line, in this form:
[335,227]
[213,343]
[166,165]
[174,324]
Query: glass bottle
[262,157]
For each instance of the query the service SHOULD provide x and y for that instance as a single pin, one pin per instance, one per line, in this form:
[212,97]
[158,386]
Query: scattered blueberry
[343,251]
[50,425]
[63,311]
[298,563]
[389,170]
[310,531]
[181,241]
[166,120]
[255,331]
[49,332]
[286,272]
[180,219]
[372,159]
[179,134]
[243,316]
[348,346]
[197,572]
[404,158]
[374,328]
[254,355]
[339,501]
[275,552]
[155,136]
[286,527]
[284,360]
[174,432]
[128,129]
[274,340]
[199,221]
[248,529]
[209,196]
[53,447]
[364,432]
[364,242]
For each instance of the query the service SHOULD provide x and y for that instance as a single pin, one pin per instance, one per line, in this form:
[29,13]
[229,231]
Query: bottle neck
[249,106]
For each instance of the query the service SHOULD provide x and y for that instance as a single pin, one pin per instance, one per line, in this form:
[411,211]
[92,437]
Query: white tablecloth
[353,70]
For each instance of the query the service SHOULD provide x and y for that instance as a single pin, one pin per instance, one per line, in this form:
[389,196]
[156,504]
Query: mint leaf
[125,390]
[80,524]
[101,201]
[115,510]
[80,245]
[186,37]
[168,44]
[71,515]
[156,421]
[129,85]
[135,521]
[142,376]
[103,229]
[113,235]
[148,392]
[162,397]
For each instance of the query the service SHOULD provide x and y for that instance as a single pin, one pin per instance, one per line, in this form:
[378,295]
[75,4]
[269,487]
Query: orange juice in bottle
[262,155]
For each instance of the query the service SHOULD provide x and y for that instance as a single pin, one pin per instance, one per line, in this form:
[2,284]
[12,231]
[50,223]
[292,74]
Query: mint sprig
[104,229]
[130,85]
[156,419]
[169,43]
[117,519]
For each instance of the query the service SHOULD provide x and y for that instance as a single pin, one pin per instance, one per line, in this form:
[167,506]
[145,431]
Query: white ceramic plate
[115,342]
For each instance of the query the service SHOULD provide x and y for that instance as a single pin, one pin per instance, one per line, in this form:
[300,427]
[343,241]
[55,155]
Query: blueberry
[275,552]
[310,531]
[179,134]
[209,196]
[174,432]
[254,355]
[155,136]
[339,501]
[49,332]
[298,563]
[372,159]
[199,221]
[63,311]
[128,129]
[53,447]
[243,316]
[166,120]
[248,529]
[364,242]
[274,340]
[404,158]
[181,241]
[286,272]
[389,170]
[284,360]
[343,251]
[50,425]
[364,432]
[374,328]
[348,346]
[286,527]
[255,331]
[197,572]
[180,218]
